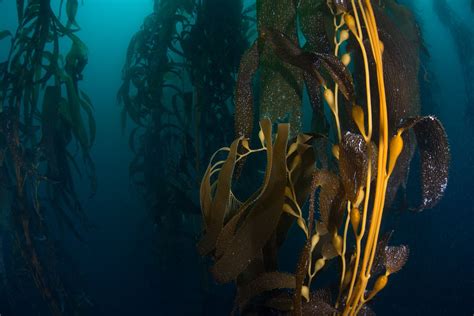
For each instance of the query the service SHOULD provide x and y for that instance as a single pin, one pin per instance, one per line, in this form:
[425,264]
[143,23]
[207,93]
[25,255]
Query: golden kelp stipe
[353,184]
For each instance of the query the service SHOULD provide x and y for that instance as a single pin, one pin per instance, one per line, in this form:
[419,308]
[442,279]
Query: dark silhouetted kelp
[462,36]
[178,89]
[355,183]
[41,114]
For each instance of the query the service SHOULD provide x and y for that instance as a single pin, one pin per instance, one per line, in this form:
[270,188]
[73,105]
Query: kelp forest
[284,157]
[47,129]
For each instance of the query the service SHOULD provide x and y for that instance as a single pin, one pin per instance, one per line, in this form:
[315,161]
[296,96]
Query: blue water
[118,264]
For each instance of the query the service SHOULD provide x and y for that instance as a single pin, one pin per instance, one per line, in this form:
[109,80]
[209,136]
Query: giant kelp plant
[43,115]
[178,84]
[462,35]
[361,59]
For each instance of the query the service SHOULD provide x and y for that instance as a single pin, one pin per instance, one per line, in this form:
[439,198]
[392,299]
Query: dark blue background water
[118,263]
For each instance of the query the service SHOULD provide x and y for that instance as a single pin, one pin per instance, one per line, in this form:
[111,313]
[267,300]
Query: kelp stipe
[42,110]
[374,104]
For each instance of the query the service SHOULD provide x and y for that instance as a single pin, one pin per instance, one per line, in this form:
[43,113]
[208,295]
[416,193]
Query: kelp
[348,182]
[434,151]
[38,123]
[177,89]
[290,53]
[261,220]
[281,85]
[462,35]
[244,97]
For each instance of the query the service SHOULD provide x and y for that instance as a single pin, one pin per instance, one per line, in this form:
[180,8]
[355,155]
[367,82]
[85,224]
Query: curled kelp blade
[263,283]
[214,209]
[260,224]
[228,231]
[435,157]
[291,53]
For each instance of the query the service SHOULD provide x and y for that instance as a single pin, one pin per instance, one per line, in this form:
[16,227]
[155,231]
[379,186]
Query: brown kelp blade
[228,231]
[339,73]
[319,304]
[220,202]
[435,157]
[261,222]
[291,53]
[331,198]
[264,283]
[244,92]
[396,257]
[319,122]
[353,163]
[379,259]
[312,22]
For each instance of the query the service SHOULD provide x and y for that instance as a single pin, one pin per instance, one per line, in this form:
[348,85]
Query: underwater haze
[107,215]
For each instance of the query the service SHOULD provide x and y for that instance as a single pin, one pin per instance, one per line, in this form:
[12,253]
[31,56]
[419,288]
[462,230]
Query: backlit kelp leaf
[435,157]
[396,257]
[353,164]
[218,207]
[311,15]
[281,84]
[244,109]
[263,283]
[261,222]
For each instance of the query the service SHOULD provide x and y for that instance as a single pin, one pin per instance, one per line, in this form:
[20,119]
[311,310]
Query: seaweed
[461,33]
[348,182]
[178,89]
[37,126]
